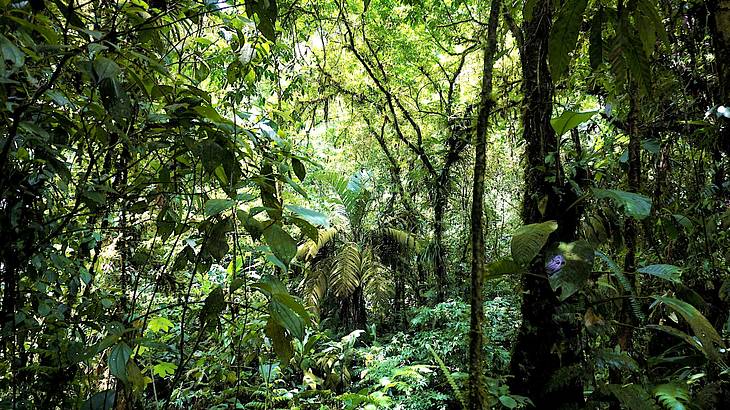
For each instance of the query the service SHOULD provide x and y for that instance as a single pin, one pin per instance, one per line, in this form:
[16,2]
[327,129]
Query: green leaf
[164,369]
[103,400]
[528,240]
[299,169]
[106,69]
[216,206]
[209,113]
[666,272]
[502,267]
[286,317]
[569,120]
[703,330]
[266,11]
[307,229]
[625,284]
[11,52]
[214,304]
[564,36]
[217,244]
[269,371]
[595,46]
[508,402]
[117,360]
[159,324]
[578,266]
[529,9]
[684,221]
[636,205]
[236,284]
[281,344]
[313,217]
[283,246]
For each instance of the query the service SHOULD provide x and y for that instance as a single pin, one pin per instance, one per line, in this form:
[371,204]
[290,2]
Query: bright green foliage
[671,396]
[568,120]
[260,204]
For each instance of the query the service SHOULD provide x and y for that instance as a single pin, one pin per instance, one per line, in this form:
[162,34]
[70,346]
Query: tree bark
[720,33]
[477,391]
[544,345]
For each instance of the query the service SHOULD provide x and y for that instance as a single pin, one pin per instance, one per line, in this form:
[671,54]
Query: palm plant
[343,266]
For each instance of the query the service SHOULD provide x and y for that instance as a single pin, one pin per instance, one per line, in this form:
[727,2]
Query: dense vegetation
[407,204]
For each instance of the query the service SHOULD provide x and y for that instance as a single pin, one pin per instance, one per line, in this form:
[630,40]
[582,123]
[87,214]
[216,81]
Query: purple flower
[554,264]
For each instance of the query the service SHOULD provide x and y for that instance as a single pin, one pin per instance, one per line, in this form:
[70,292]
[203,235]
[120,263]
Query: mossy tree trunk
[477,391]
[545,344]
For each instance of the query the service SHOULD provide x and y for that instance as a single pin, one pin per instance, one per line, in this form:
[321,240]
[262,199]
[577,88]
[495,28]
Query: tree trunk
[720,31]
[477,391]
[439,257]
[544,345]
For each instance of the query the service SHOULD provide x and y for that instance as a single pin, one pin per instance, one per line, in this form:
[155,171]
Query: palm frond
[346,274]
[309,249]
[406,240]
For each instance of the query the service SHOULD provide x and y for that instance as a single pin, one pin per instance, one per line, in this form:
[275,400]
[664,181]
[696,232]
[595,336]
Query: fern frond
[449,378]
[672,396]
[626,285]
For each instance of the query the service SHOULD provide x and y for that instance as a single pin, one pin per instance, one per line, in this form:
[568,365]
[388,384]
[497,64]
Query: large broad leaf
[636,205]
[572,276]
[117,360]
[106,69]
[269,371]
[502,267]
[11,52]
[569,120]
[103,400]
[285,316]
[216,206]
[528,240]
[564,35]
[282,245]
[666,272]
[267,11]
[703,330]
[299,170]
[313,217]
[281,344]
